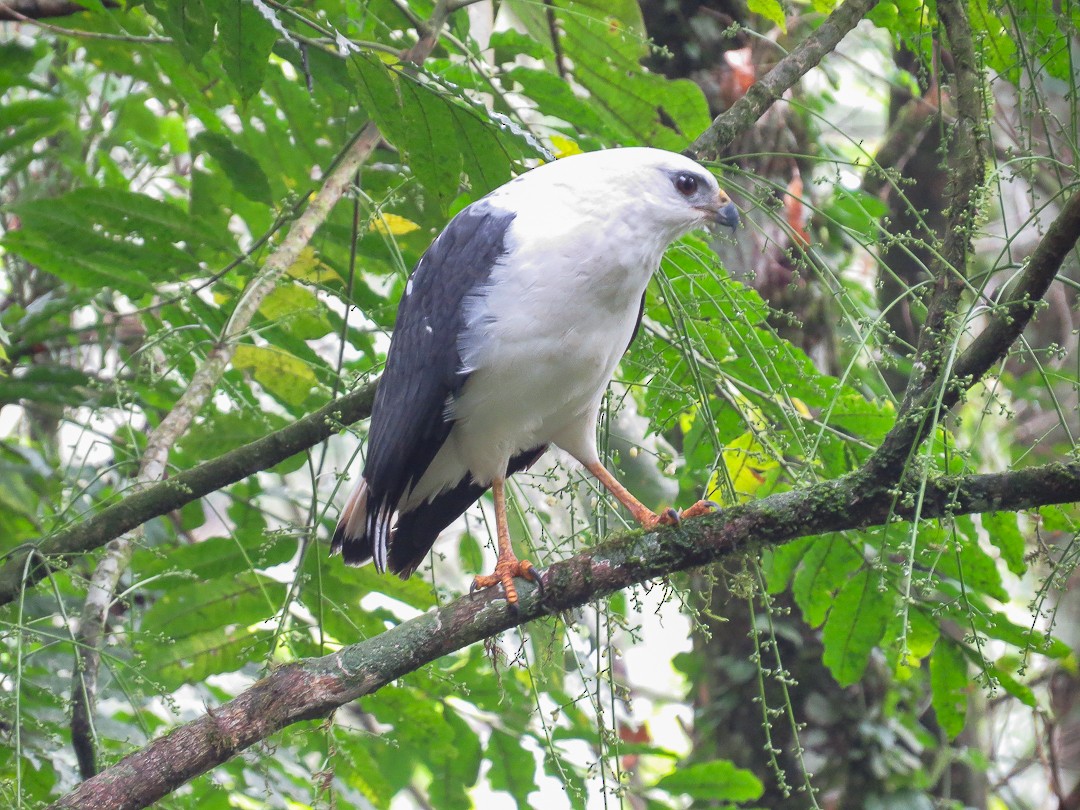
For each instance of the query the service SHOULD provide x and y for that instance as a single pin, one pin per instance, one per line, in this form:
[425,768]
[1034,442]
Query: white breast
[542,341]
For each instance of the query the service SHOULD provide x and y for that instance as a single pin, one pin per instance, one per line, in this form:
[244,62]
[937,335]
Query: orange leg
[642,514]
[507,567]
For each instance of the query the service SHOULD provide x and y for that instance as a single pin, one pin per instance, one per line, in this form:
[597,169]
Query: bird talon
[670,517]
[533,575]
[700,508]
[506,571]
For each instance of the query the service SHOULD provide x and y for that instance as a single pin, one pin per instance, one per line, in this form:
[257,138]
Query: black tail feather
[419,528]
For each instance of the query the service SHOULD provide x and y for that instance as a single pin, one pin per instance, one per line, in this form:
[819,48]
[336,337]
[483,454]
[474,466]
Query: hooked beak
[722,212]
[727,215]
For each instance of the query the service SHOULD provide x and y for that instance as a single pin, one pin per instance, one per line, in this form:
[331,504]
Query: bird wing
[423,366]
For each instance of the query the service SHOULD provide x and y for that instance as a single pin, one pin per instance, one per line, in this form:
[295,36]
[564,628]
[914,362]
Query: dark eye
[686,184]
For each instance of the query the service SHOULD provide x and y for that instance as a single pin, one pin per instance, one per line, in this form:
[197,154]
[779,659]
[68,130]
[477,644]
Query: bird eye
[686,184]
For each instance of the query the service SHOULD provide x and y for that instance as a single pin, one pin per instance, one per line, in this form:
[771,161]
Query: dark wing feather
[418,528]
[637,323]
[423,366]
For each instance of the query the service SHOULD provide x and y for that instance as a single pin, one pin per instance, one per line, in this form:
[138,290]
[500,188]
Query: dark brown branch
[967,173]
[1007,320]
[762,94]
[15,10]
[314,688]
[1011,315]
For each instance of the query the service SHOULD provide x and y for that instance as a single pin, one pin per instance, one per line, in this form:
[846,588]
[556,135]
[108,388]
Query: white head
[647,189]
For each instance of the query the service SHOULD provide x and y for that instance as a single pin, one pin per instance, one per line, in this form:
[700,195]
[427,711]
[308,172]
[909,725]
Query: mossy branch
[314,688]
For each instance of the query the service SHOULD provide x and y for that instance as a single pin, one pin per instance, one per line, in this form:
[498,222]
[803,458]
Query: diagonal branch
[742,115]
[314,688]
[933,387]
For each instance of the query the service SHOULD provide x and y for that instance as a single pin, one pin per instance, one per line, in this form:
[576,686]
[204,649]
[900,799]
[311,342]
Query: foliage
[153,156]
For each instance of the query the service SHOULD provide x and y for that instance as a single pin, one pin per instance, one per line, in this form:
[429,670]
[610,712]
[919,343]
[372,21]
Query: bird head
[669,190]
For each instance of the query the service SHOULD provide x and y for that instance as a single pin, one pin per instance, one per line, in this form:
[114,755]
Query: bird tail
[351,538]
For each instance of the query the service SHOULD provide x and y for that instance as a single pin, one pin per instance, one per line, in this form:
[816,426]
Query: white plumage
[539,287]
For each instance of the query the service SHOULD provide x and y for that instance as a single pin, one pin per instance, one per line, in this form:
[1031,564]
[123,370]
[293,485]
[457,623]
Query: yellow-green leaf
[771,10]
[393,225]
[284,375]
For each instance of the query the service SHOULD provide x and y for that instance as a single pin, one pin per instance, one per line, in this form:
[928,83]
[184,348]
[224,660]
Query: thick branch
[1007,320]
[1009,317]
[807,55]
[314,688]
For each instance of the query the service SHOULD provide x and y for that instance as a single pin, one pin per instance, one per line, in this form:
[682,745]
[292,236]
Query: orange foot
[669,517]
[506,570]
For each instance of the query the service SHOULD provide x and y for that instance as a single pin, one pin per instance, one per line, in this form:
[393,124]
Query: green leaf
[855,625]
[441,134]
[241,168]
[246,39]
[1004,533]
[455,767]
[190,25]
[244,599]
[470,553]
[211,627]
[996,625]
[779,562]
[965,561]
[513,767]
[222,432]
[922,633]
[718,780]
[110,239]
[1001,672]
[297,309]
[771,10]
[855,210]
[284,375]
[215,557]
[828,562]
[949,685]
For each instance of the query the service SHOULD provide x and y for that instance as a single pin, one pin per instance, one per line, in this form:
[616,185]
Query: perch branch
[314,688]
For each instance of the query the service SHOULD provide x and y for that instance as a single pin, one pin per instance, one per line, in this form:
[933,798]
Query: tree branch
[314,688]
[967,173]
[737,119]
[1007,320]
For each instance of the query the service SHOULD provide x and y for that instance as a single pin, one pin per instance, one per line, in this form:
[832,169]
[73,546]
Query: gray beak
[727,215]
